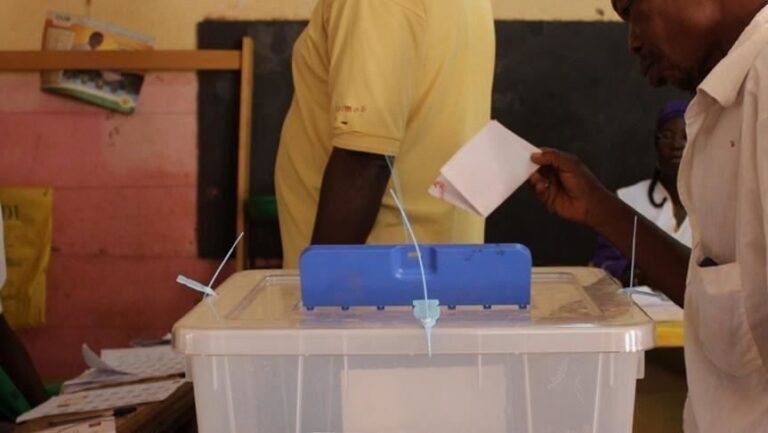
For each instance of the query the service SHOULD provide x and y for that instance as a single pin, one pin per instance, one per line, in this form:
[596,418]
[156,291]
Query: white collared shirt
[637,196]
[723,184]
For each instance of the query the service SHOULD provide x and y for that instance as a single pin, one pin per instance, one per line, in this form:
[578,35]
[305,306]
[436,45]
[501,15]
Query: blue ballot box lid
[391,275]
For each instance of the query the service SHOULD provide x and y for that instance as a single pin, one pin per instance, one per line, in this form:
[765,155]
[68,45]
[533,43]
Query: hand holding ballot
[496,162]
[568,189]
[486,170]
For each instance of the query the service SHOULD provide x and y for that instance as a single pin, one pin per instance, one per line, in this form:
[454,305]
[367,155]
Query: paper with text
[126,365]
[102,399]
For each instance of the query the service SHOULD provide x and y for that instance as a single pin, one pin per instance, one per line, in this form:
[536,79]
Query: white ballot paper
[486,170]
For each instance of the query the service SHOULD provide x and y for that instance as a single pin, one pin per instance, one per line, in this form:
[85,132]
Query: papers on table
[126,365]
[105,424]
[103,399]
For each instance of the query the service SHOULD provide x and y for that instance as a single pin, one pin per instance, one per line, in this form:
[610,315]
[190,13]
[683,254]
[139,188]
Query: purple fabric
[610,259]
[672,110]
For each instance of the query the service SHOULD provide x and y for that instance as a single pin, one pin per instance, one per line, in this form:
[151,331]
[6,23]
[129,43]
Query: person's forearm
[662,259]
[18,365]
[350,197]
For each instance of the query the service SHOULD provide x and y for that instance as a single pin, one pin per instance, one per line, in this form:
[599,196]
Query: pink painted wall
[124,211]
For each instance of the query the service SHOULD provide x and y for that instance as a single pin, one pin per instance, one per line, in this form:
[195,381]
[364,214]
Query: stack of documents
[125,365]
[103,399]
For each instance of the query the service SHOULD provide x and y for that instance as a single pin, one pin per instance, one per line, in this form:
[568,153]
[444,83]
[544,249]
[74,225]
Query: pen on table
[117,412]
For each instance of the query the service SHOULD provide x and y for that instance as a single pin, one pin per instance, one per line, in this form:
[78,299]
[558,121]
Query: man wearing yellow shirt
[409,79]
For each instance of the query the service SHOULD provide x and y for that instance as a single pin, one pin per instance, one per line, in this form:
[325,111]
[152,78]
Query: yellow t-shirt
[408,78]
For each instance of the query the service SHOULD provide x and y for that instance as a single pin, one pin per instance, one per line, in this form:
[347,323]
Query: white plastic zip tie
[398,189]
[427,311]
[631,289]
[208,290]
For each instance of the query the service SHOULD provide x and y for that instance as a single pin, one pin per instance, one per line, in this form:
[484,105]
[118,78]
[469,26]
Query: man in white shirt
[719,48]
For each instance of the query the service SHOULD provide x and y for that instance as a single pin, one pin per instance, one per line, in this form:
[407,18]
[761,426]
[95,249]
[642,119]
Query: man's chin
[684,83]
[680,82]
[657,79]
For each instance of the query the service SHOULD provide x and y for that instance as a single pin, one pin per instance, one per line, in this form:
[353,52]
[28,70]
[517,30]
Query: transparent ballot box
[260,362]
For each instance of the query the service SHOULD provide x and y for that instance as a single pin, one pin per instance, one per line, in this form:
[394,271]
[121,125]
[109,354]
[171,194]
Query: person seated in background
[657,198]
[20,385]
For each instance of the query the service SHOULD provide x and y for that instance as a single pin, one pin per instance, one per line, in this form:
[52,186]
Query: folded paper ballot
[486,170]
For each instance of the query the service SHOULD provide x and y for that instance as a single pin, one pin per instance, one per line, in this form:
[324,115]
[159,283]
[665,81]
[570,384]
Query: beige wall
[172,22]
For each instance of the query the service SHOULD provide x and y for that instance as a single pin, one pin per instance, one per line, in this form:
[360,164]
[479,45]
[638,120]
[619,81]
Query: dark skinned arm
[16,362]
[568,189]
[350,197]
